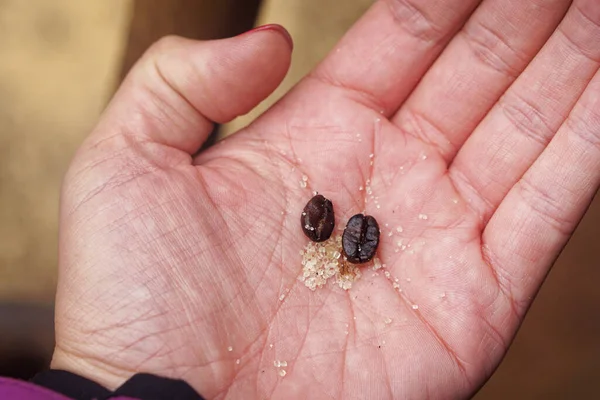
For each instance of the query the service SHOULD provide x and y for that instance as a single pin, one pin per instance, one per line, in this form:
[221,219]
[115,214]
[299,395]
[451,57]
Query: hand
[485,148]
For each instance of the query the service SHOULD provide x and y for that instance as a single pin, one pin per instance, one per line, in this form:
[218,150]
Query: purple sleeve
[63,385]
[12,389]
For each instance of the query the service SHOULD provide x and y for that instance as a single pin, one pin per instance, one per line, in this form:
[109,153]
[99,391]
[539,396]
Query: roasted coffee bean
[317,219]
[360,238]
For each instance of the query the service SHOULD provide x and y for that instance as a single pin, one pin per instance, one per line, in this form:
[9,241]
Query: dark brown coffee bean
[317,219]
[360,239]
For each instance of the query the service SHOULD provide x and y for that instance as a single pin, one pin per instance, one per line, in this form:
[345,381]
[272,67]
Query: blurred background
[61,60]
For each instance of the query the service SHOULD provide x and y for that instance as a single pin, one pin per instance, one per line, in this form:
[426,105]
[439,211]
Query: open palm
[473,142]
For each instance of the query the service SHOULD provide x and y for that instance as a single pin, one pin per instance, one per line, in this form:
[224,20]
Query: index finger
[381,59]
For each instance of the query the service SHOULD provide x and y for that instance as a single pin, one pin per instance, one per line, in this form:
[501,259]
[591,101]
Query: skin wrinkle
[238,261]
[546,207]
[356,95]
[460,183]
[113,155]
[111,183]
[183,100]
[499,280]
[527,119]
[573,44]
[315,312]
[588,132]
[282,225]
[430,33]
[489,56]
[458,362]
[426,135]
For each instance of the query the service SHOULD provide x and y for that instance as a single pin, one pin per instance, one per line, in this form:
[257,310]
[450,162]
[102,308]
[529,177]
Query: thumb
[180,86]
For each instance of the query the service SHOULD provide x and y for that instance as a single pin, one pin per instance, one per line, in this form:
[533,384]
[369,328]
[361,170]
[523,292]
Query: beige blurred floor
[58,64]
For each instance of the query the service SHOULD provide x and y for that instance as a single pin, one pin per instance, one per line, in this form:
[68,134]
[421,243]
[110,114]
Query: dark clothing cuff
[139,386]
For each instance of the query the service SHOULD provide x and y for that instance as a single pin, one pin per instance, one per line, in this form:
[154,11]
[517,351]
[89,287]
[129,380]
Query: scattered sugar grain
[387,321]
[237,361]
[376,264]
[423,216]
[399,229]
[282,373]
[302,184]
[230,348]
[323,261]
[415,307]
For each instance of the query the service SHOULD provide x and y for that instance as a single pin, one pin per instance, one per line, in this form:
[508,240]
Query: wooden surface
[194,19]
[58,65]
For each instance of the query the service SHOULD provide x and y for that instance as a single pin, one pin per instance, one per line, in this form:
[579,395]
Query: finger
[483,59]
[539,214]
[180,86]
[384,55]
[519,127]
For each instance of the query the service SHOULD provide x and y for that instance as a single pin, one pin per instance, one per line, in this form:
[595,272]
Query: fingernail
[276,28]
